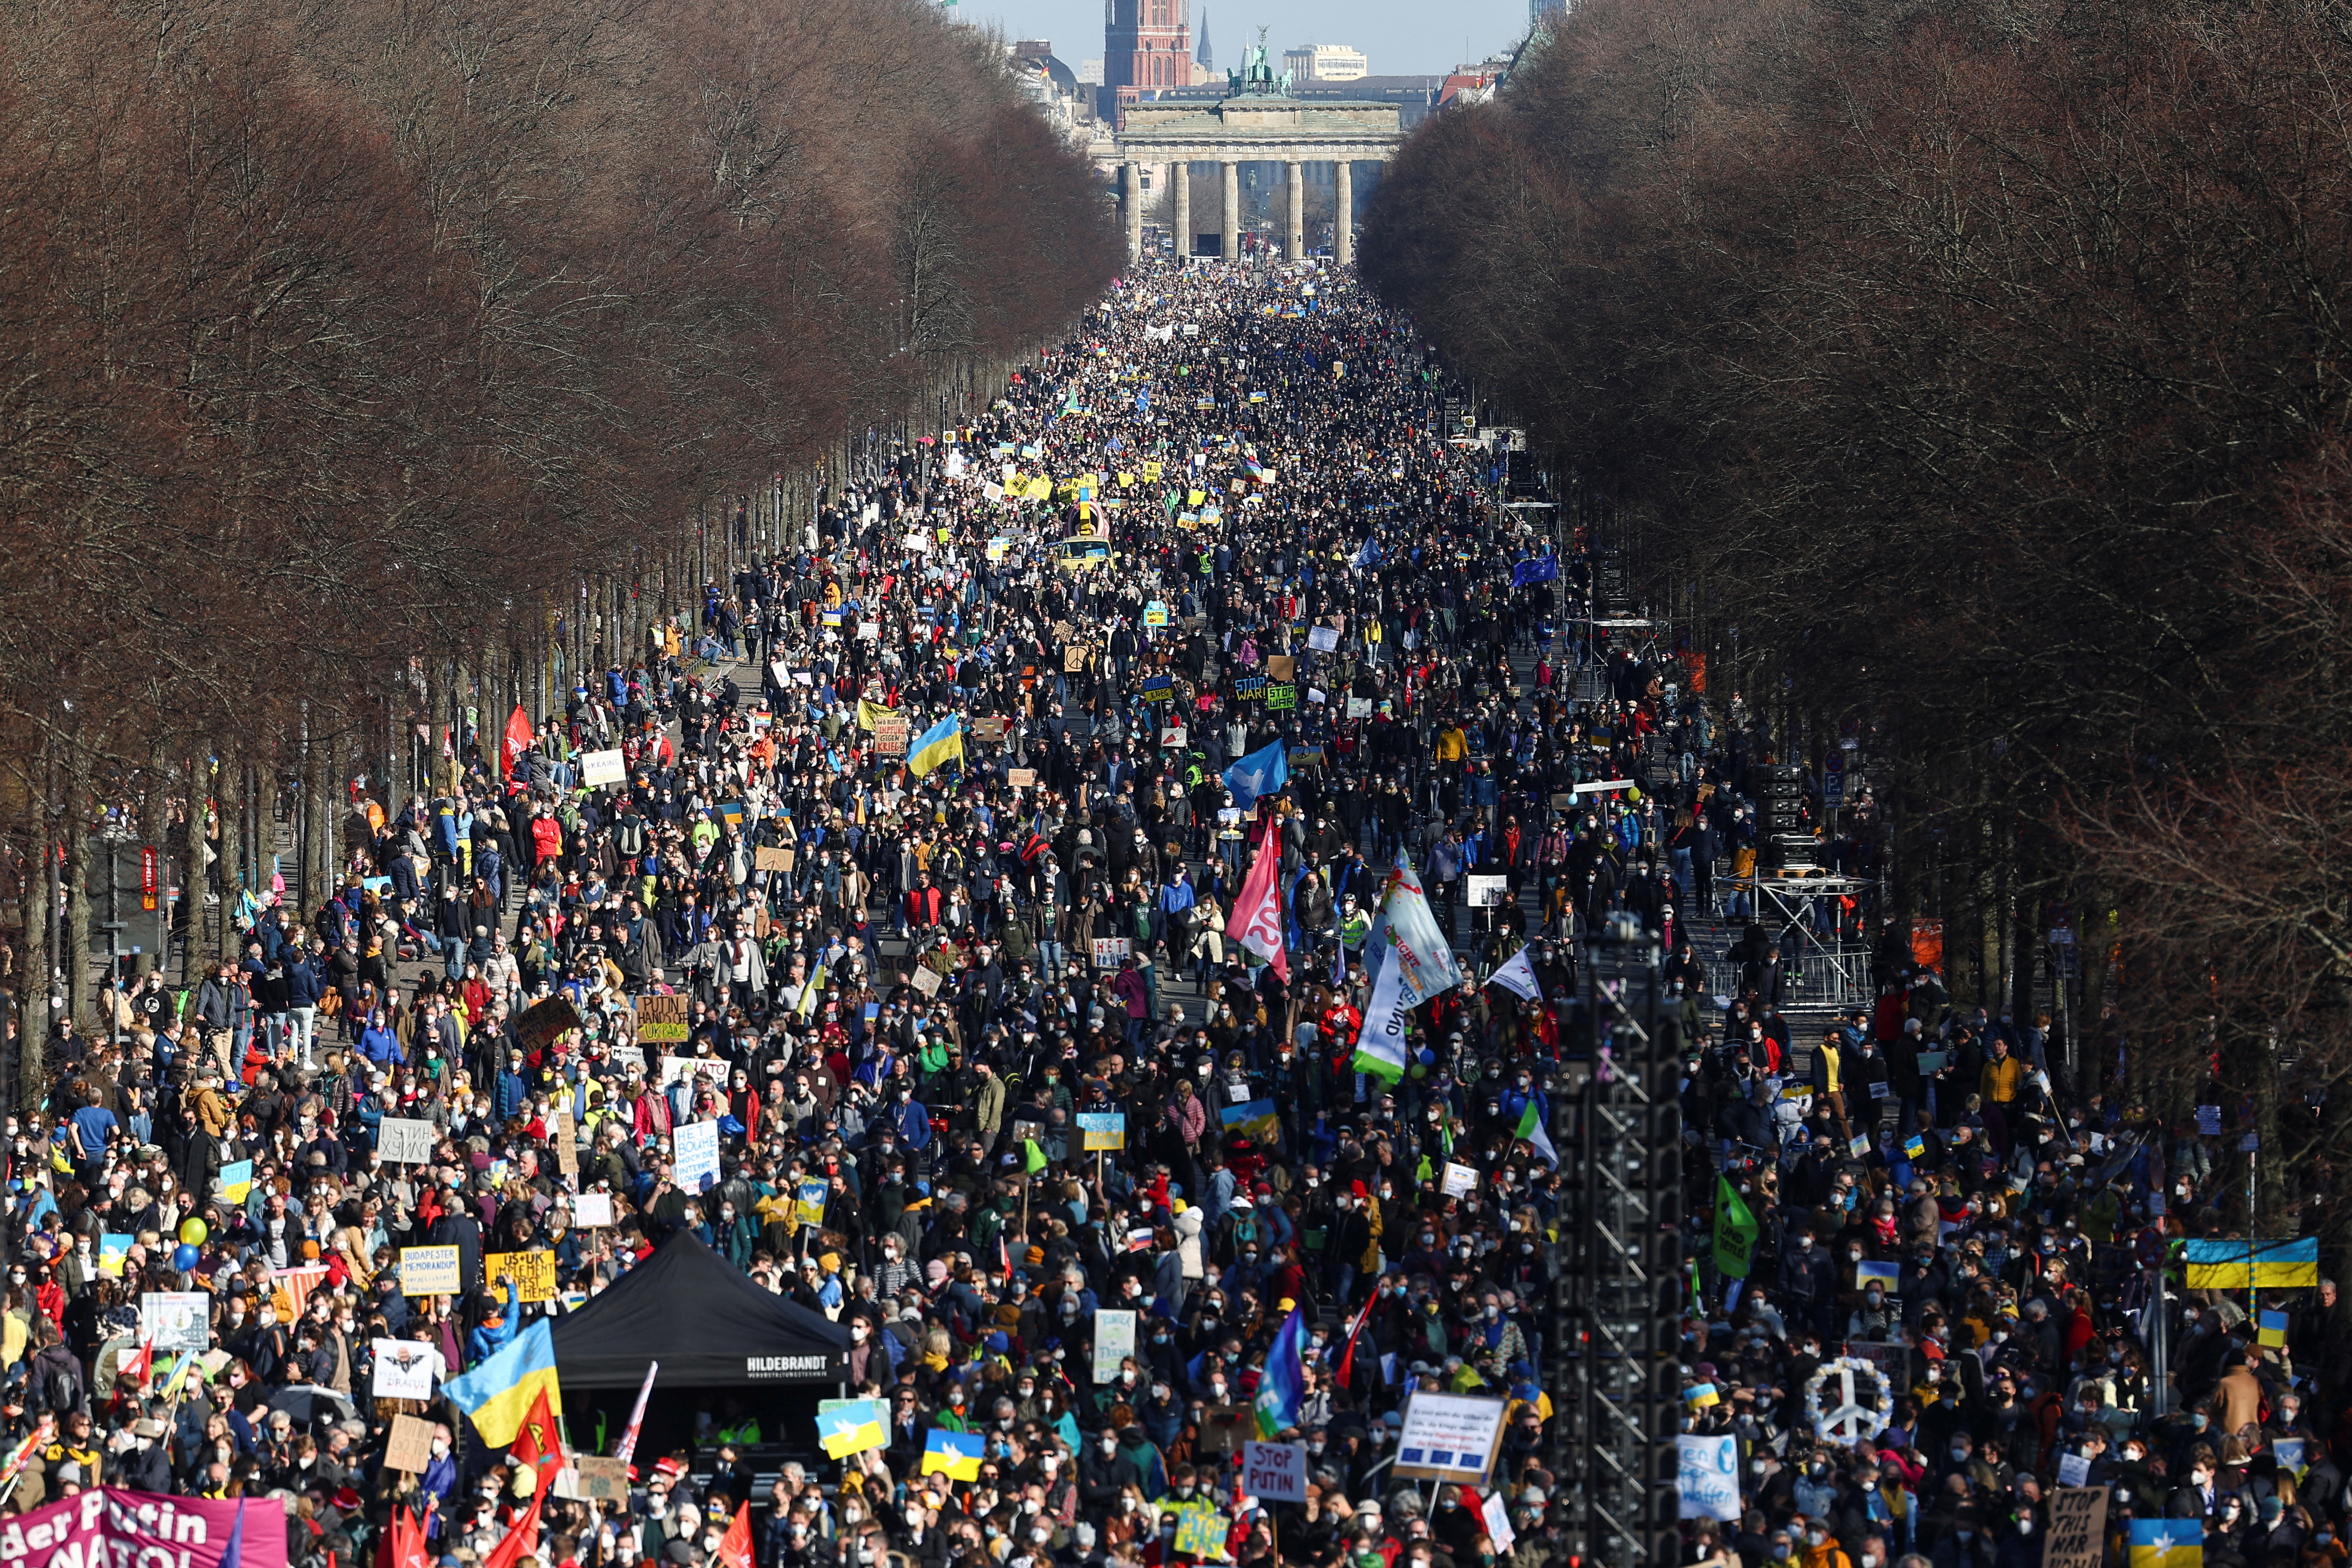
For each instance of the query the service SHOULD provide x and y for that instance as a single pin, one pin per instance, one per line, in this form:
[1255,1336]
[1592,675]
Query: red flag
[1347,1356]
[518,742]
[1237,1534]
[134,1370]
[538,1446]
[402,1545]
[1259,909]
[522,1541]
[735,1546]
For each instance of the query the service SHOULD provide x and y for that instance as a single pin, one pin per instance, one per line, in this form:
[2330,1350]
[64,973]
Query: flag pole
[628,1446]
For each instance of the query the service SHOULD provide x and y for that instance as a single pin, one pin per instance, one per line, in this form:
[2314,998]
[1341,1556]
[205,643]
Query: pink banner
[111,1528]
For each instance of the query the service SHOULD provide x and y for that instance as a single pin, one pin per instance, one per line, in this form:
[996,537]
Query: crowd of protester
[1229,514]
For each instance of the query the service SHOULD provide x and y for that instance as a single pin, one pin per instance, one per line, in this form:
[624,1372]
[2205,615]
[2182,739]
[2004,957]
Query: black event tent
[709,1325]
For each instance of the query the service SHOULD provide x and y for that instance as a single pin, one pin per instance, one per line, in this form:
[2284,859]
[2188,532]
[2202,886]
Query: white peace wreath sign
[1855,1420]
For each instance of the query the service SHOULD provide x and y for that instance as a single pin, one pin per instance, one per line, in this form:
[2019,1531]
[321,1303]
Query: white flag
[1498,1523]
[1415,943]
[1518,977]
[1380,1044]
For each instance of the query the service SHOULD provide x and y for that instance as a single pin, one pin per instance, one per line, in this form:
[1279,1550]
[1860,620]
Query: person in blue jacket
[500,1325]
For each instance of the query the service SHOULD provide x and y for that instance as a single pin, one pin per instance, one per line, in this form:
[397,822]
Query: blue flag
[1263,772]
[1536,569]
[1282,1389]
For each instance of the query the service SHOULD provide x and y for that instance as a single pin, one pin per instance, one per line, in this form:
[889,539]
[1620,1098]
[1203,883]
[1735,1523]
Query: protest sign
[410,1447]
[2078,1528]
[533,1273]
[665,1021]
[405,1141]
[430,1271]
[1113,1342]
[1448,1437]
[1275,1472]
[694,1156]
[601,1480]
[404,1370]
[173,1321]
[109,1524]
[1105,1130]
[543,1022]
[1708,1478]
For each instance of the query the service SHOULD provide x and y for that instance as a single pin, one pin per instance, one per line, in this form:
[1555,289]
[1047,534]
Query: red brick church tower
[1147,45]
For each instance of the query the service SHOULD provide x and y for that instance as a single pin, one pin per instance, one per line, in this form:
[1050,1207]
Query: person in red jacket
[923,903]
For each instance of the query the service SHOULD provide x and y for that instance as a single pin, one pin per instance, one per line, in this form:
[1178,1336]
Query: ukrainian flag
[847,1426]
[498,1394]
[956,1455]
[943,743]
[2270,1330]
[2167,1543]
[2253,1265]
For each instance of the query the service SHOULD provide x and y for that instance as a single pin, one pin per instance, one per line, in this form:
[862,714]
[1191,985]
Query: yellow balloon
[192,1231]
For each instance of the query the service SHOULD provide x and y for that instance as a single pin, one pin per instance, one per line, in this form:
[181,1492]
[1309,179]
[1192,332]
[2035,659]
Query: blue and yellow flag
[2270,1329]
[955,1455]
[2253,1265]
[942,743]
[847,1426]
[2167,1543]
[497,1394]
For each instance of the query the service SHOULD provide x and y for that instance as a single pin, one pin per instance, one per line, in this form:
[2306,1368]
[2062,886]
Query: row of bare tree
[1984,363]
[358,357]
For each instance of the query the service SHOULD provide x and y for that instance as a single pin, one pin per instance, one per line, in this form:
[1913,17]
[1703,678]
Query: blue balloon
[185,1256]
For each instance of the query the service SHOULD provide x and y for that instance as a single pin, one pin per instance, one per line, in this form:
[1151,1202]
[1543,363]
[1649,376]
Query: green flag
[1735,1231]
[1033,1158]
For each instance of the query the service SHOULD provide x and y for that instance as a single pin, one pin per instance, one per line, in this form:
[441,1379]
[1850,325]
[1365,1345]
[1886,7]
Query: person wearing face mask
[1807,1282]
[1106,1470]
[1822,1550]
[1966,1544]
[2197,1497]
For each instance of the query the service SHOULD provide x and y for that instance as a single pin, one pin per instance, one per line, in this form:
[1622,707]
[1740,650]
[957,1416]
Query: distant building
[1470,84]
[1324,62]
[1541,13]
[1060,93]
[1146,46]
[1201,57]
[1414,96]
[1090,72]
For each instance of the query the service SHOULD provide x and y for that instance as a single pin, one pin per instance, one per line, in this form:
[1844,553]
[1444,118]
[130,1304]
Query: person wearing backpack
[53,1380]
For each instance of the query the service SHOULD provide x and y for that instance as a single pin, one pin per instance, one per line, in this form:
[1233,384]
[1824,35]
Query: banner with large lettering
[111,1526]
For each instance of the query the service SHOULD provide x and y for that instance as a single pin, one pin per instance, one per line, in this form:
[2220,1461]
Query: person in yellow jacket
[1999,1081]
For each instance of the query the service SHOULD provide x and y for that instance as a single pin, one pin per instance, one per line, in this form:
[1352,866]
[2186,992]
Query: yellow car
[1083,552]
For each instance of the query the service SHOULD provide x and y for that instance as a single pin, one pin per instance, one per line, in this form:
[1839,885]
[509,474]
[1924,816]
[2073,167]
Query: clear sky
[1401,39]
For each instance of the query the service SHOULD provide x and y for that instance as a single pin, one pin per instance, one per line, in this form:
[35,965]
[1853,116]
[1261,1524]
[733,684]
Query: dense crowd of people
[1223,518]
[943,833]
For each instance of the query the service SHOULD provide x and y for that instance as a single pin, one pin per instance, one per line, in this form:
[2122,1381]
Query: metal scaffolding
[1619,1295]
